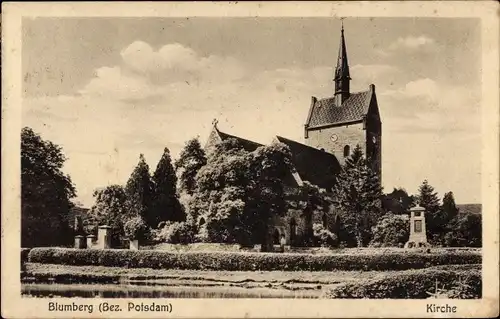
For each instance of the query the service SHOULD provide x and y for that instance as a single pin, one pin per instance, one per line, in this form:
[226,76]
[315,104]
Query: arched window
[202,221]
[325,220]
[347,150]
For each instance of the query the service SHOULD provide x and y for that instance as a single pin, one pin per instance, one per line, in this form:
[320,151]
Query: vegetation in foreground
[455,280]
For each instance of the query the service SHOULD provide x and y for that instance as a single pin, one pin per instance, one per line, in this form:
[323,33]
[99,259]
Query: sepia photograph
[329,157]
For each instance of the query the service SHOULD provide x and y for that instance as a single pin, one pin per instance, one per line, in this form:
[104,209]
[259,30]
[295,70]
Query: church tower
[339,123]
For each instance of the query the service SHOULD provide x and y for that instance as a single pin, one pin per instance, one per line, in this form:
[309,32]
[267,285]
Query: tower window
[347,150]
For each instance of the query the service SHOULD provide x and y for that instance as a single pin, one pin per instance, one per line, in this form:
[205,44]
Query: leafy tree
[435,221]
[45,193]
[109,209]
[465,230]
[357,195]
[139,191]
[220,194]
[166,204]
[238,192]
[191,159]
[391,231]
[269,167]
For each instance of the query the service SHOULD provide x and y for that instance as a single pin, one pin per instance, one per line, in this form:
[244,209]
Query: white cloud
[408,43]
[412,42]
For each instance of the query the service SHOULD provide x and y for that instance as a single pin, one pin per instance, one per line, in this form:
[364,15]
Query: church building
[333,127]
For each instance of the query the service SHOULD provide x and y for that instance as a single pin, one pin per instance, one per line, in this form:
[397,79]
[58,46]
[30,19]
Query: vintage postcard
[253,159]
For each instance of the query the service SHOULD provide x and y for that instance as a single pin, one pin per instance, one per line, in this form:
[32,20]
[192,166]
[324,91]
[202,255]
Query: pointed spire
[342,76]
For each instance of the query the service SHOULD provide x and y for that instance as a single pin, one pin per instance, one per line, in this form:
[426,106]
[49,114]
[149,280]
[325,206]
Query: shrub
[415,284]
[136,228]
[325,237]
[464,230]
[176,233]
[239,261]
[390,231]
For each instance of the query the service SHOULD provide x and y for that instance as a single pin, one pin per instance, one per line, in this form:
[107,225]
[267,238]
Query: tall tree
[191,159]
[449,207]
[220,194]
[45,193]
[166,204]
[269,166]
[357,195]
[428,199]
[238,192]
[110,208]
[139,191]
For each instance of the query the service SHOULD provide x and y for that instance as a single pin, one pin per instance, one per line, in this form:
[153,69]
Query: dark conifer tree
[139,190]
[166,204]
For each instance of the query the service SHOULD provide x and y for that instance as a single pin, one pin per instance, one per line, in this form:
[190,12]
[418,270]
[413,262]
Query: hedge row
[236,261]
[415,284]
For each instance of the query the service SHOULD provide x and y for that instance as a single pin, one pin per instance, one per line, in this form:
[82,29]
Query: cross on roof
[215,122]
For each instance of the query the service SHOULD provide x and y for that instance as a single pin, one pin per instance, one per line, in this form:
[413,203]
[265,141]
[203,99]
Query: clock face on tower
[334,138]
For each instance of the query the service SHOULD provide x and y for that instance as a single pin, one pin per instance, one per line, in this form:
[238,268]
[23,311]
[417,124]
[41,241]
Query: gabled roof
[248,145]
[326,112]
[313,165]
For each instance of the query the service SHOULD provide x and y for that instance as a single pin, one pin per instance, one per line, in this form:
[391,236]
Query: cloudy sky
[108,89]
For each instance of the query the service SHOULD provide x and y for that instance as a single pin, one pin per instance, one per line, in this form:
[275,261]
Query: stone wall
[351,135]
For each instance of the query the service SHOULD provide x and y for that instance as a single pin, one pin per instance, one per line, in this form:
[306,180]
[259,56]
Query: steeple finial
[342,76]
[214,123]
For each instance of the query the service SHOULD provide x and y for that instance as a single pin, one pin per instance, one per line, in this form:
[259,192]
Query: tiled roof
[325,112]
[313,165]
[248,145]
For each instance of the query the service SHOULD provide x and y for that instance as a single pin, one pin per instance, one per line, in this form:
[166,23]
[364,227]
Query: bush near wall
[236,261]
[415,284]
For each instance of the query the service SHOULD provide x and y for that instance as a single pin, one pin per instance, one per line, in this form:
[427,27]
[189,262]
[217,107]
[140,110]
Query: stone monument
[418,237]
[104,237]
[91,241]
[80,242]
[134,244]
